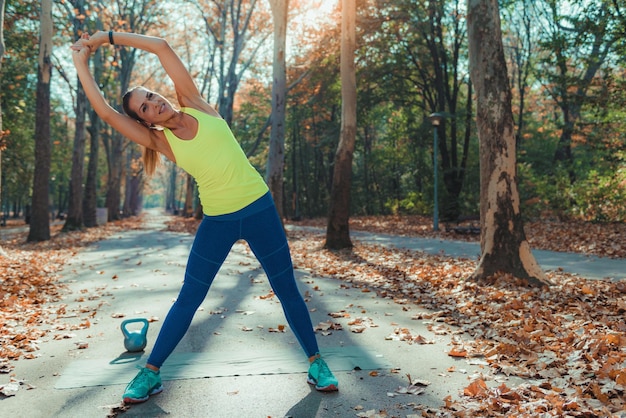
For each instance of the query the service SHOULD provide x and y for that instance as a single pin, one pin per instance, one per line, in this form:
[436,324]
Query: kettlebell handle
[134,320]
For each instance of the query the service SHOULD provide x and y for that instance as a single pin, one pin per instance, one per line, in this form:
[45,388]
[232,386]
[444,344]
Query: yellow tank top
[227,182]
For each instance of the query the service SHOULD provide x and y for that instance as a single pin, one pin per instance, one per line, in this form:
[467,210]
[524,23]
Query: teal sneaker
[321,376]
[146,383]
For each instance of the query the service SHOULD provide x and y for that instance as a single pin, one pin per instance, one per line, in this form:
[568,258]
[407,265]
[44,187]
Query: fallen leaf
[421,340]
[457,352]
[478,388]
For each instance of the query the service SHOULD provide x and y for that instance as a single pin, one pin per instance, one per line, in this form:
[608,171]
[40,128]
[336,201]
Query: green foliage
[413,204]
[601,197]
[546,195]
[17,93]
[404,69]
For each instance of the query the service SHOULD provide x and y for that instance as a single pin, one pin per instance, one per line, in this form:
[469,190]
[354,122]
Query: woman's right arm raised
[125,125]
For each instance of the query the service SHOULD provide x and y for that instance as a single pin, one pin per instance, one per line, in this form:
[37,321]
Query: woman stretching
[235,200]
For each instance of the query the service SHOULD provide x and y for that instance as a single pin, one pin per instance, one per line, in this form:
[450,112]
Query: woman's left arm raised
[186,89]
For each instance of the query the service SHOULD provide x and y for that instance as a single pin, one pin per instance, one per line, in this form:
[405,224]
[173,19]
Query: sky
[318,9]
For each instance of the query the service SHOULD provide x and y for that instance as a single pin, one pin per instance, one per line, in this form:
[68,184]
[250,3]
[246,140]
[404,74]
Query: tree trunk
[504,248]
[188,207]
[138,17]
[134,186]
[198,214]
[90,197]
[115,147]
[40,217]
[338,229]
[134,183]
[2,144]
[90,201]
[230,40]
[522,55]
[74,219]
[170,199]
[276,158]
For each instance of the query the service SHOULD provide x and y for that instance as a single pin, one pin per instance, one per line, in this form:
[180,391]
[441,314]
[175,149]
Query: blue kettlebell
[135,340]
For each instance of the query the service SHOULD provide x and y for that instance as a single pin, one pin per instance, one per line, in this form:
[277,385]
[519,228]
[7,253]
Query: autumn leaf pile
[29,286]
[568,341]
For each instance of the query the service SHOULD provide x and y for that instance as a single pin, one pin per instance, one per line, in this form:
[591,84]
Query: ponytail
[151,161]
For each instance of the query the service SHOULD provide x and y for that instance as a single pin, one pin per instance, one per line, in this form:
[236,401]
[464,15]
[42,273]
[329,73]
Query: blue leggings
[215,237]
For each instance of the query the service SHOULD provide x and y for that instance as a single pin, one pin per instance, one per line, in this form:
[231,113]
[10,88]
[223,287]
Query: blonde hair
[151,160]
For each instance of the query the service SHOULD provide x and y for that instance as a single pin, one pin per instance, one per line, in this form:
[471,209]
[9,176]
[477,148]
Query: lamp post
[435,120]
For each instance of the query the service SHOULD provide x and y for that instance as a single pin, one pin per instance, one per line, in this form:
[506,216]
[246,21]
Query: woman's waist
[239,208]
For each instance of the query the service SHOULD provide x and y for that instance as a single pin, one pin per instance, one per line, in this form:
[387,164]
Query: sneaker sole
[155,391]
[329,388]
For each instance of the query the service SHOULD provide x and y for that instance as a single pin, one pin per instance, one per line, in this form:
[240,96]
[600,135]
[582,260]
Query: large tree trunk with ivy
[338,229]
[40,217]
[504,248]
[276,157]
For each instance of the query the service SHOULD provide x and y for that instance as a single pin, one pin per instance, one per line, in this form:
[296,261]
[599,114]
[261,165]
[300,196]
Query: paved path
[138,274]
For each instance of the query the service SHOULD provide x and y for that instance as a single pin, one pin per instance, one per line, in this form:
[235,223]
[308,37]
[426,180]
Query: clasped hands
[89,43]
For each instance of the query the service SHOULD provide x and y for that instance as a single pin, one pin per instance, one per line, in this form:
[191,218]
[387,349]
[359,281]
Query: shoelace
[142,378]
[323,367]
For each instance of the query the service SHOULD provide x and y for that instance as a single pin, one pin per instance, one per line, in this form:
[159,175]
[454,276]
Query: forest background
[565,61]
